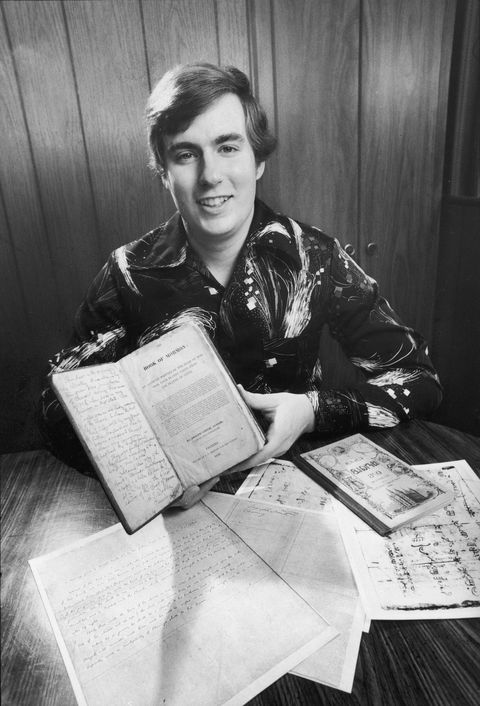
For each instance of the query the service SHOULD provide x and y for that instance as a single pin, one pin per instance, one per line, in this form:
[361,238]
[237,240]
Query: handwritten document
[282,483]
[180,613]
[120,439]
[306,550]
[429,570]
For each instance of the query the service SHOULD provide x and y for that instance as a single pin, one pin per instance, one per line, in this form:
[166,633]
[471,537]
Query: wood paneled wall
[356,91]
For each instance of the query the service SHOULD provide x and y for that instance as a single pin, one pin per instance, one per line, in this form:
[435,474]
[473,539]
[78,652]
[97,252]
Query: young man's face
[211,173]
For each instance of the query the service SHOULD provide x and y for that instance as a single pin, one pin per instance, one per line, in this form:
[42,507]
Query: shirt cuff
[338,412]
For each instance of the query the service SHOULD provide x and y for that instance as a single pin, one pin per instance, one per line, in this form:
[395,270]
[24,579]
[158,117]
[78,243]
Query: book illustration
[389,486]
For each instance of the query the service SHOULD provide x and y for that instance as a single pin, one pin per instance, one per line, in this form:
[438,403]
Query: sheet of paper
[306,550]
[180,613]
[430,570]
[282,483]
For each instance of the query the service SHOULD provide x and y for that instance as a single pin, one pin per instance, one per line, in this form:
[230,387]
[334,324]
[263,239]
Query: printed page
[118,438]
[180,613]
[376,481]
[430,569]
[306,550]
[192,404]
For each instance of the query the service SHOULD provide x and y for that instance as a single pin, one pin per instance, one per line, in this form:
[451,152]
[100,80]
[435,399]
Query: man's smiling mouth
[213,201]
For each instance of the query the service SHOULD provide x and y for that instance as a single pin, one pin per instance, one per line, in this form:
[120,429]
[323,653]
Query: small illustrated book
[380,488]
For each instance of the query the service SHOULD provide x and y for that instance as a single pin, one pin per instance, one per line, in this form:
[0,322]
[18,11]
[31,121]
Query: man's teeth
[214,201]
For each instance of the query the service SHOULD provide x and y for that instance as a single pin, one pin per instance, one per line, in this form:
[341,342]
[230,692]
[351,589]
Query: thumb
[254,399]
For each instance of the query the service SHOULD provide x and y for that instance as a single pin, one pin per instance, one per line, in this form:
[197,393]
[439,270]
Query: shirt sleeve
[99,337]
[400,381]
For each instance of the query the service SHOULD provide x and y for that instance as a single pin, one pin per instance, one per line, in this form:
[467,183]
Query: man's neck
[220,255]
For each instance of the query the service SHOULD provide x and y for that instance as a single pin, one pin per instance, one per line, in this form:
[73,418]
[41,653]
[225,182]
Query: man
[263,284]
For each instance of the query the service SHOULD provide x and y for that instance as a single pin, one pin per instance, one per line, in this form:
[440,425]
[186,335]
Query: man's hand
[193,494]
[289,415]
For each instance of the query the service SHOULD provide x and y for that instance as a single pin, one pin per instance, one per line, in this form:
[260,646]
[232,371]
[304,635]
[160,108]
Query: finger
[184,500]
[256,400]
[194,493]
[197,493]
[260,457]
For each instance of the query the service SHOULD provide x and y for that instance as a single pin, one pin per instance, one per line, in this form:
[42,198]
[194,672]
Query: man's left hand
[289,415]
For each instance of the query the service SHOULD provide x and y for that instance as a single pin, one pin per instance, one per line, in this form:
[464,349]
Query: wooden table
[46,505]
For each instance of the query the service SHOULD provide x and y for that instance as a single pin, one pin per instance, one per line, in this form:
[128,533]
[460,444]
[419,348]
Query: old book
[380,488]
[163,418]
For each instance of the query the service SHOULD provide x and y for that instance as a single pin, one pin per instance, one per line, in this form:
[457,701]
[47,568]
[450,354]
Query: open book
[380,488]
[161,419]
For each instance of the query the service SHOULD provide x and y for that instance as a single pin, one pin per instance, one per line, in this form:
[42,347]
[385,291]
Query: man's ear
[260,169]
[164,178]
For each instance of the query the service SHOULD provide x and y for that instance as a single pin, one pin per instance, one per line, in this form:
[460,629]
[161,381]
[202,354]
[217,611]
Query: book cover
[382,489]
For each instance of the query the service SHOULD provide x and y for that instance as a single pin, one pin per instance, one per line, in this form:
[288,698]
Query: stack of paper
[212,605]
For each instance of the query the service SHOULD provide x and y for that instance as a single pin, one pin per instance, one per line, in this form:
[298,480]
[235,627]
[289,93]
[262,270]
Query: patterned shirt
[290,279]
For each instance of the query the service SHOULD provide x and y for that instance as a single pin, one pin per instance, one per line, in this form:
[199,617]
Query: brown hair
[188,90]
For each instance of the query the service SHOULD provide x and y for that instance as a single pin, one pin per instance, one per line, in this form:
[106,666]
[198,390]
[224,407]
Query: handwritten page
[120,440]
[193,405]
[429,570]
[282,483]
[180,613]
[306,550]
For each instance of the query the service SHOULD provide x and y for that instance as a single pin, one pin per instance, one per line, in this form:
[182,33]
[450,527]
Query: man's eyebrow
[180,146]
[229,137]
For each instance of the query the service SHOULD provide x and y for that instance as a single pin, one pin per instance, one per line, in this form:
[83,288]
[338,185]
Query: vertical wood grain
[23,211]
[405,44]
[316,78]
[260,31]
[111,74]
[41,53]
[177,32]
[233,34]
[15,330]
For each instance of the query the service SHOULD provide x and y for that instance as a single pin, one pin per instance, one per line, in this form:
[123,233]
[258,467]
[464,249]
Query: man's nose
[210,171]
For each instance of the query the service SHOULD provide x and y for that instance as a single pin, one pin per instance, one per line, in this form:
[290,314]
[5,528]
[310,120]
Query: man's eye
[228,149]
[185,156]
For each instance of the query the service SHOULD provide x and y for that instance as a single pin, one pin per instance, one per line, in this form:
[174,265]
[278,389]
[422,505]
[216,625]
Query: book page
[192,404]
[182,612]
[376,482]
[119,440]
[430,569]
[306,550]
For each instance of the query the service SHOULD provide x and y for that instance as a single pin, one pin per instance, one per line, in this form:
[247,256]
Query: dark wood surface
[46,505]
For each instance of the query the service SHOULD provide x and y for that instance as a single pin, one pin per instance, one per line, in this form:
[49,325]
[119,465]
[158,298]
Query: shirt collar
[268,231]
[275,233]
